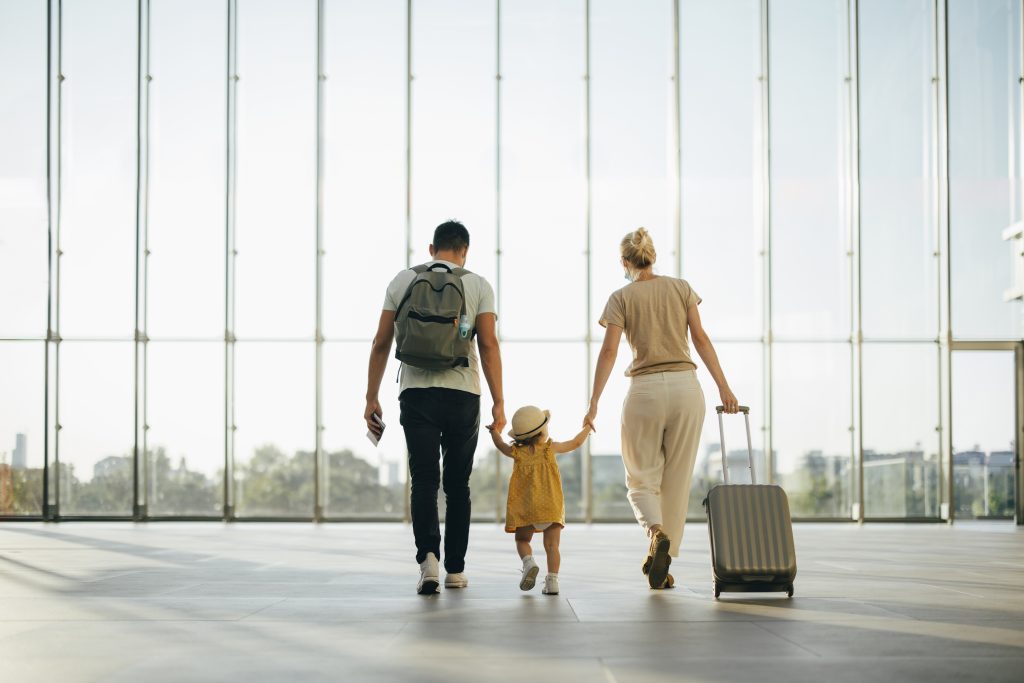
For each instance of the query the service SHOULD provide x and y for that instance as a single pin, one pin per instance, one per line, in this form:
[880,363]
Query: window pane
[630,114]
[984,450]
[901,444]
[98,168]
[360,479]
[811,272]
[811,442]
[453,118]
[607,471]
[187,168]
[984,164]
[542,179]
[551,377]
[364,161]
[97,417]
[185,414]
[21,428]
[743,366]
[23,216]
[899,289]
[275,415]
[276,162]
[720,61]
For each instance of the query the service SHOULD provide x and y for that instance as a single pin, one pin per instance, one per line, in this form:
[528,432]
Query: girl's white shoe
[530,572]
[550,584]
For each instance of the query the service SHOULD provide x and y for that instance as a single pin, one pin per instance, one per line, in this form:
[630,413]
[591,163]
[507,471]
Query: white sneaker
[530,571]
[457,580]
[550,584]
[427,585]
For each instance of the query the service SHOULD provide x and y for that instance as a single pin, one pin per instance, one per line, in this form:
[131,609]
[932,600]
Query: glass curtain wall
[200,261]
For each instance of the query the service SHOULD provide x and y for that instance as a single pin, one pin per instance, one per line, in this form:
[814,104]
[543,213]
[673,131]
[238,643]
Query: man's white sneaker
[550,584]
[457,580]
[427,585]
[530,571]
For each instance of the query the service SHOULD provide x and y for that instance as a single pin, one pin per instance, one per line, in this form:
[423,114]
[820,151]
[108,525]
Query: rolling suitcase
[751,530]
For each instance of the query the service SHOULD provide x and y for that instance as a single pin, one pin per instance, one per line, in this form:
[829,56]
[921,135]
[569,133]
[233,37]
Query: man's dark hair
[451,236]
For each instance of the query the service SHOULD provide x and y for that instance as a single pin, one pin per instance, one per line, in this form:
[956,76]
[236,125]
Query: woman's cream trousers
[662,418]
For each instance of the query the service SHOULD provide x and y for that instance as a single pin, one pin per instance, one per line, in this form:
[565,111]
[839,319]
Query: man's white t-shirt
[479,299]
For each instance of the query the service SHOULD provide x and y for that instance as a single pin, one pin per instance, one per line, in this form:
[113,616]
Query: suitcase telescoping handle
[750,448]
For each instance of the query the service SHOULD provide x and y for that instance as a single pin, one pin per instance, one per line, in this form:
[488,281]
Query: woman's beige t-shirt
[653,315]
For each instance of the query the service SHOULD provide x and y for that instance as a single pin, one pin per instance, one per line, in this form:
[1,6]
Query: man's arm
[379,352]
[490,359]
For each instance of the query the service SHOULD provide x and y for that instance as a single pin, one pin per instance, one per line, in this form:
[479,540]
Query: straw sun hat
[527,422]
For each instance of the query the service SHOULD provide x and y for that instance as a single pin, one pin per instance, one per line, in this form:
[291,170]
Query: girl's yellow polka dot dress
[535,489]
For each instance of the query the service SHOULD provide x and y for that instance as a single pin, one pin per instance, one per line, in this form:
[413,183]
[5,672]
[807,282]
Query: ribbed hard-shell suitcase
[751,531]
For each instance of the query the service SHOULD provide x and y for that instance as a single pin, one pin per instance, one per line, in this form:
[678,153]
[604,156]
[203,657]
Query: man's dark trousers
[441,423]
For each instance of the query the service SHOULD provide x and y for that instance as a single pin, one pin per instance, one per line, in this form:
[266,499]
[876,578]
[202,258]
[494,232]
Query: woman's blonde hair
[637,250]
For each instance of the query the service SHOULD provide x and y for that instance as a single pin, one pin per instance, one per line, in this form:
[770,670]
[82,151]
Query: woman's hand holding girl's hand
[729,400]
[588,419]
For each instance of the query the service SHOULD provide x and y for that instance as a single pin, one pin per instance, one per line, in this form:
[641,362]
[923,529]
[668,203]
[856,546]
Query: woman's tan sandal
[660,560]
[647,565]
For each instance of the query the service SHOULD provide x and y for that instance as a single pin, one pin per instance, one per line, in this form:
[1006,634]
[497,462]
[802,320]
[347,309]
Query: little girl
[535,491]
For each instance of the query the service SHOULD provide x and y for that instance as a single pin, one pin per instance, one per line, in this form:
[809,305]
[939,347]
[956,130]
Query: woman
[664,408]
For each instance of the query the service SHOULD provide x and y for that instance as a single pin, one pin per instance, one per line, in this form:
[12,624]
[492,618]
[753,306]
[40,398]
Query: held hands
[729,400]
[497,418]
[589,418]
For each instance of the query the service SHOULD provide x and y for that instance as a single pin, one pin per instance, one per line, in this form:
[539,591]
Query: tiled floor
[296,602]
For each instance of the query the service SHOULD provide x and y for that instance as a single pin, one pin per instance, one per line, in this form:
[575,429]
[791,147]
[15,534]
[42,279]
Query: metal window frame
[51,418]
[852,173]
[320,473]
[141,479]
[230,254]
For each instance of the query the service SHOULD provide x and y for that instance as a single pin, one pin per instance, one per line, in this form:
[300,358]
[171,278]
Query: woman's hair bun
[637,248]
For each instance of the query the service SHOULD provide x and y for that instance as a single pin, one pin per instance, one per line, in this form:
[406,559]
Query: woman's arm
[605,363]
[499,442]
[706,350]
[560,447]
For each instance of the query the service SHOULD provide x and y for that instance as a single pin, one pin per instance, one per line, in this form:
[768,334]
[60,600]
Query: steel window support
[320,490]
[677,144]
[766,241]
[51,415]
[852,82]
[230,252]
[588,472]
[940,82]
[407,516]
[140,459]
[499,256]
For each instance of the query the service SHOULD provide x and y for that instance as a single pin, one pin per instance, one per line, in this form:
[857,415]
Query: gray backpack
[428,333]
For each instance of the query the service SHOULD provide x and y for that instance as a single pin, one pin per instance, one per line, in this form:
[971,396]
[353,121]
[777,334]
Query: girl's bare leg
[552,535]
[524,535]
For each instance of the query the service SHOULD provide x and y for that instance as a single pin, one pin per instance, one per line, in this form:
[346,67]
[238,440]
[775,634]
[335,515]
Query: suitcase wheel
[718,590]
[789,591]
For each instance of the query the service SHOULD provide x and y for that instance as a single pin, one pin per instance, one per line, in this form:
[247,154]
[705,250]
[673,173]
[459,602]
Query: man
[440,413]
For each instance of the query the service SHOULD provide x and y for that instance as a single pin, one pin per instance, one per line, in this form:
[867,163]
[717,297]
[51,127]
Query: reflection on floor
[270,602]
